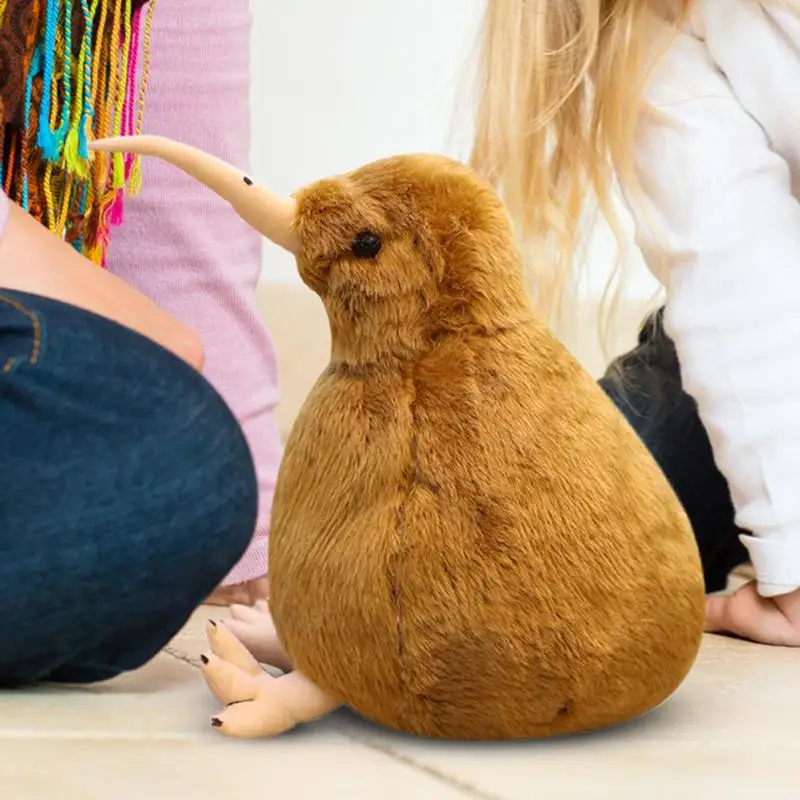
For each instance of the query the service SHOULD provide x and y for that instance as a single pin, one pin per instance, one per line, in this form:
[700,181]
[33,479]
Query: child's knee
[187,344]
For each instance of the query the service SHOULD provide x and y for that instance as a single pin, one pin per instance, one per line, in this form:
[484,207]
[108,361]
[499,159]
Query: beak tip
[272,216]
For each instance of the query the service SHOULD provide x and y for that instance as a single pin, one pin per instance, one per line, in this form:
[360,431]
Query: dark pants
[645,384]
[128,493]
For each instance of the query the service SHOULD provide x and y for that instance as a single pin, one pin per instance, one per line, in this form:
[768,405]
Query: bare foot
[254,628]
[244,594]
[745,613]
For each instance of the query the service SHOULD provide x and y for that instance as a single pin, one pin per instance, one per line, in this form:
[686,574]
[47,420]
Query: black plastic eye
[366,245]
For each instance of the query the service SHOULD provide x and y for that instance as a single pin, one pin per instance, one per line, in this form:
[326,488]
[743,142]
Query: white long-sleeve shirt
[719,162]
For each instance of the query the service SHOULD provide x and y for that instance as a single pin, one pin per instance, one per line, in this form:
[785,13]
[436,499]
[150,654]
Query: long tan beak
[269,214]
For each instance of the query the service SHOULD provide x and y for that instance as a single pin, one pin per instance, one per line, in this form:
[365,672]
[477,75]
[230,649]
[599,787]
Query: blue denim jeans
[128,492]
[645,384]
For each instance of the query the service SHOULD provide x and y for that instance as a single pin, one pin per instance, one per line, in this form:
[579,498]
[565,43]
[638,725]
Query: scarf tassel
[86,78]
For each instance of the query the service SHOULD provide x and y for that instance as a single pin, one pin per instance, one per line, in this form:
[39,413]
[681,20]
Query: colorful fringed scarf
[68,74]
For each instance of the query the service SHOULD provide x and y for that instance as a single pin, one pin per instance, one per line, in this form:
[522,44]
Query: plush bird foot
[258,705]
[254,628]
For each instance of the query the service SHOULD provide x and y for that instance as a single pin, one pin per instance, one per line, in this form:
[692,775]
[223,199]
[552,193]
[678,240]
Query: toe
[252,720]
[227,682]
[227,647]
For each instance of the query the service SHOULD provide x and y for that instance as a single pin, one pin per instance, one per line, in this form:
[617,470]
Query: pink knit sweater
[185,248]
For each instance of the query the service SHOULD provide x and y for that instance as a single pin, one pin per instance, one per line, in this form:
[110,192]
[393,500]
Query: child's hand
[768,620]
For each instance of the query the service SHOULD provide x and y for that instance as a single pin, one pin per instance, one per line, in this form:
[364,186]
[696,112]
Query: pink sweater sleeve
[185,248]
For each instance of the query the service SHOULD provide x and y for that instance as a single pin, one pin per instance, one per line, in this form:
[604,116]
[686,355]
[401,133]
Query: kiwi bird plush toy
[468,541]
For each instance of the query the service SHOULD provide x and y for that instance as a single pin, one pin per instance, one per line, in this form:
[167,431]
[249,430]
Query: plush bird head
[403,251]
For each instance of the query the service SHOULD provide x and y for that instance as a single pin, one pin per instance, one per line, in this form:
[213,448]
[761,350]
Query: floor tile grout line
[63,735]
[442,777]
[182,657]
[455,783]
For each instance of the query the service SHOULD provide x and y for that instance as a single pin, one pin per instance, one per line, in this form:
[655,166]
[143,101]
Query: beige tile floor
[730,732]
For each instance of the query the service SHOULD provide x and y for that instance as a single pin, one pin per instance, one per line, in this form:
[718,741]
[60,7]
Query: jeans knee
[213,480]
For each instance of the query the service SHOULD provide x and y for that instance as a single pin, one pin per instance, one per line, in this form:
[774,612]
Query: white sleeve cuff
[776,563]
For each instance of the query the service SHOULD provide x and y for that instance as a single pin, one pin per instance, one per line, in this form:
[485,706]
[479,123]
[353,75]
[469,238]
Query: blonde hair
[560,93]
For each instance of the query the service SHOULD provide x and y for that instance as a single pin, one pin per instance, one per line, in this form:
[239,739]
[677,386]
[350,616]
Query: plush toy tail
[269,214]
[74,78]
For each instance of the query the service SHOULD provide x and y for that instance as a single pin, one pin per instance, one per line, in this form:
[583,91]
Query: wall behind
[337,83]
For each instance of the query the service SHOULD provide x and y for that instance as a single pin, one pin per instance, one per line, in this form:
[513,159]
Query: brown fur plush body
[468,541]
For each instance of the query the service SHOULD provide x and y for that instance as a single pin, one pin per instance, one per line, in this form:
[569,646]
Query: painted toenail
[204,659]
[217,723]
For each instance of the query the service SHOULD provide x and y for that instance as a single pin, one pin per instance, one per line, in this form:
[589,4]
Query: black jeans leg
[645,384]
[128,493]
